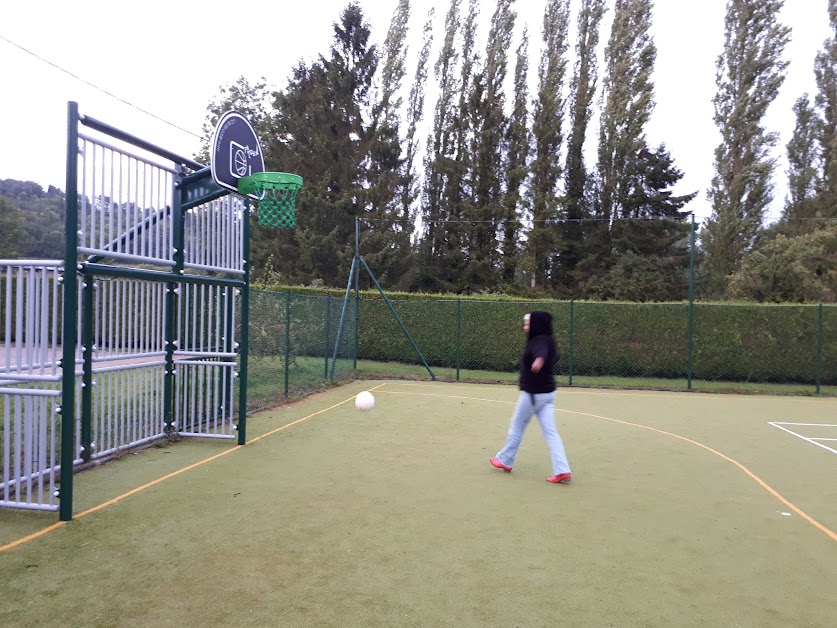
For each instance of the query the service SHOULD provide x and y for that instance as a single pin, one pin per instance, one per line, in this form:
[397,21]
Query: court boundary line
[578,390]
[813,441]
[822,528]
[110,502]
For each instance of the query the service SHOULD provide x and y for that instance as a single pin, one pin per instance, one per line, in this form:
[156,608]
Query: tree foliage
[582,94]
[548,134]
[33,220]
[750,71]
[800,269]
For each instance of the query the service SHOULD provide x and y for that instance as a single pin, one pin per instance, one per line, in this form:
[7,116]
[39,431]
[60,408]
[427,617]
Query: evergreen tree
[750,71]
[322,134]
[582,92]
[825,70]
[548,137]
[489,133]
[651,239]
[804,170]
[519,142]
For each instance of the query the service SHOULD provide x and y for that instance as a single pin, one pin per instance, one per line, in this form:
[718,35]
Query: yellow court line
[758,480]
[110,502]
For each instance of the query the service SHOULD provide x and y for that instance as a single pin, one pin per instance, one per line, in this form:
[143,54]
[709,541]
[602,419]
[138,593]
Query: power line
[104,91]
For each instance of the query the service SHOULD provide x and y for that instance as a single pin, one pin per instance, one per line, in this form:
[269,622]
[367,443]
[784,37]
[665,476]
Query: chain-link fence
[735,348]
[292,345]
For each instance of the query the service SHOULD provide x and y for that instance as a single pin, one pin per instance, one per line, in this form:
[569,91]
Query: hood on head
[540,324]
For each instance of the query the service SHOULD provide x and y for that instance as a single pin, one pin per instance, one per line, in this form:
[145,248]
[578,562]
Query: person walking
[537,397]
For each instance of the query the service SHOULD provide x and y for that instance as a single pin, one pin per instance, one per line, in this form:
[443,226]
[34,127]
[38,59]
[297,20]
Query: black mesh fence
[723,348]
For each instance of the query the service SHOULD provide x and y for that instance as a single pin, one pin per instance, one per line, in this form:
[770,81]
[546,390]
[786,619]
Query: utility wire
[104,91]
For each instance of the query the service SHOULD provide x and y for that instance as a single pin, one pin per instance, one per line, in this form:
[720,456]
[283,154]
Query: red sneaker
[499,465]
[564,478]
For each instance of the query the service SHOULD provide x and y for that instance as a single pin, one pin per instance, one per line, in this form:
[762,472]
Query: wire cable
[104,91]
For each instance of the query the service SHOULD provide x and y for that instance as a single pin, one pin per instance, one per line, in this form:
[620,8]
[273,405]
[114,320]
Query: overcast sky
[170,58]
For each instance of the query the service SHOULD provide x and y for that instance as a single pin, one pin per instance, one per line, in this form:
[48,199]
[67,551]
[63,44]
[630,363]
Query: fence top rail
[48,263]
[112,131]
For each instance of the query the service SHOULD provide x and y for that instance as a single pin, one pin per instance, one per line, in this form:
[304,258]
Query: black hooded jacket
[540,345]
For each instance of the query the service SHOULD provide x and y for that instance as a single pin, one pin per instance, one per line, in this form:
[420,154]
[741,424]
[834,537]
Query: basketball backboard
[236,151]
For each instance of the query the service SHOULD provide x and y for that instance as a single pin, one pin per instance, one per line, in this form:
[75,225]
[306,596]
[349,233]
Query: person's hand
[537,365]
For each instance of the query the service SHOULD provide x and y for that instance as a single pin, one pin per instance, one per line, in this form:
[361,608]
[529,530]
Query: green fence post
[458,335]
[357,292]
[689,357]
[572,343]
[173,300]
[287,339]
[244,344]
[69,320]
[819,347]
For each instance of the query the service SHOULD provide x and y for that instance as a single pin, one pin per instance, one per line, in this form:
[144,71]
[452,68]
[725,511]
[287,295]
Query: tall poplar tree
[582,93]
[323,134]
[459,193]
[441,261]
[547,130]
[489,132]
[804,168]
[628,98]
[415,114]
[385,242]
[750,71]
[519,142]
[825,70]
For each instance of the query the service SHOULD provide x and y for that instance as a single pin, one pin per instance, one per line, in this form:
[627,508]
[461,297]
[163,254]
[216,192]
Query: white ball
[364,401]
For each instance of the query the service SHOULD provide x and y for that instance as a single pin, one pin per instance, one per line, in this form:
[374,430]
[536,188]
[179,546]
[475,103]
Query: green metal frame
[189,190]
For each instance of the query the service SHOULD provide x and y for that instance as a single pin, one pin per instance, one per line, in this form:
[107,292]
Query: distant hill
[40,219]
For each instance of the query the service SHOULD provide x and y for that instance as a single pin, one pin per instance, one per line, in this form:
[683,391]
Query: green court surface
[684,510]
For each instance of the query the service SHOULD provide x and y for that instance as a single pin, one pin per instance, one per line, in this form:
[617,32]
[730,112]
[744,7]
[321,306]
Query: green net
[276,195]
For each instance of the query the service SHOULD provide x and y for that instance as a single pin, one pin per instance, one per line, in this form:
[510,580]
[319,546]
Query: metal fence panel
[29,384]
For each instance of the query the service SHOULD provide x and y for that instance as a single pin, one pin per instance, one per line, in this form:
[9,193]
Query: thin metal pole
[397,318]
[691,306]
[352,272]
[357,291]
[70,322]
[327,334]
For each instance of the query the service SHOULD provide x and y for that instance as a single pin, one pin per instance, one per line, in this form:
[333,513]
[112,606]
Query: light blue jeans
[544,408]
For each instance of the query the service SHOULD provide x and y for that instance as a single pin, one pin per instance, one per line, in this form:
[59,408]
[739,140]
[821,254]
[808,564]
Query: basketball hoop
[275,193]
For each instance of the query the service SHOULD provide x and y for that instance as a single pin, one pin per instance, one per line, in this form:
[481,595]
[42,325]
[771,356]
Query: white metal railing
[29,383]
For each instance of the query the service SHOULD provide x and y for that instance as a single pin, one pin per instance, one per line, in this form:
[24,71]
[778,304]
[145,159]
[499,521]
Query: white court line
[813,441]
